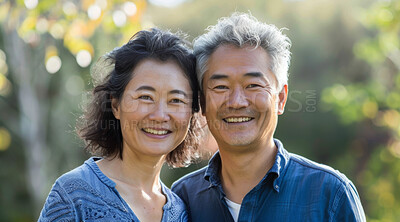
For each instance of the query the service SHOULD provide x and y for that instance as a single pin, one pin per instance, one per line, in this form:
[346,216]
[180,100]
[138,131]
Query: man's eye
[144,97]
[220,87]
[253,86]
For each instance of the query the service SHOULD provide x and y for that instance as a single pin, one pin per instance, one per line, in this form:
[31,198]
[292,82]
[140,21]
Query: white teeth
[155,132]
[237,120]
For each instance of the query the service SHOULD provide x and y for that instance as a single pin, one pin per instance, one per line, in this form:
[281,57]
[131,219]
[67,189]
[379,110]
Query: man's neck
[242,171]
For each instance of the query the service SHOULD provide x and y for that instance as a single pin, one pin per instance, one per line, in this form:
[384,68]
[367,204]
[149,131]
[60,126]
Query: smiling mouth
[237,119]
[156,132]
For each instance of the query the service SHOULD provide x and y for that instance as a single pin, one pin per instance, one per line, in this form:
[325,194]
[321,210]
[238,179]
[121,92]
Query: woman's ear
[115,107]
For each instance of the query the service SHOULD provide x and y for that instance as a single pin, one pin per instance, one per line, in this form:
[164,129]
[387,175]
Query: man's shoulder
[312,169]
[189,180]
[330,183]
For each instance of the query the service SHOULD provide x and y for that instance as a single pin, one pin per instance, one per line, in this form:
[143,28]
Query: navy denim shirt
[294,189]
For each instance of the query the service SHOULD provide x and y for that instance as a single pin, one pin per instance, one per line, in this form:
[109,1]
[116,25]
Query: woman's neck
[135,170]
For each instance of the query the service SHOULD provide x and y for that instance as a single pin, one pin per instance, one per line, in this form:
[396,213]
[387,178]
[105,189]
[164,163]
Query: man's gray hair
[242,30]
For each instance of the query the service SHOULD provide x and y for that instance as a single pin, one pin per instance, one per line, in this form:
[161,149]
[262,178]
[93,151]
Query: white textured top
[234,208]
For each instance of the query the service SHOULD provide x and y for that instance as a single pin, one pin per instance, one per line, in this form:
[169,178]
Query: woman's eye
[144,97]
[177,101]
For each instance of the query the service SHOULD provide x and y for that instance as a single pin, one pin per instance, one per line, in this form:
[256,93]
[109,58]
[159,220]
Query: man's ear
[203,103]
[283,94]
[115,107]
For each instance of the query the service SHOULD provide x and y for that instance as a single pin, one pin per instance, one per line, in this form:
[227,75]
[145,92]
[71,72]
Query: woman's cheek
[129,105]
[182,117]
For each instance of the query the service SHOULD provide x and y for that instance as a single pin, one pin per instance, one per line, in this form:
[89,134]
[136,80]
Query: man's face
[241,98]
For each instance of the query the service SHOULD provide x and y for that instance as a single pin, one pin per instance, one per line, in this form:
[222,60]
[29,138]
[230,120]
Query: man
[243,68]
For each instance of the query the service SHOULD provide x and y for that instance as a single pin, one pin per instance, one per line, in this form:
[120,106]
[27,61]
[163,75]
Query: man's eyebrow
[254,74]
[146,88]
[177,91]
[249,74]
[218,76]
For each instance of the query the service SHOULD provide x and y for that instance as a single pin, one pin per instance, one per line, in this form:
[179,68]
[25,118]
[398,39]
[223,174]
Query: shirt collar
[281,161]
[91,162]
[212,171]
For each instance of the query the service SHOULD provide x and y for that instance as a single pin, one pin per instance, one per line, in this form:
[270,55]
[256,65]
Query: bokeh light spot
[394,148]
[3,55]
[119,18]
[130,8]
[69,8]
[5,85]
[385,15]
[57,31]
[391,118]
[102,4]
[53,64]
[339,92]
[42,25]
[3,64]
[167,3]
[370,109]
[5,139]
[94,12]
[31,4]
[83,58]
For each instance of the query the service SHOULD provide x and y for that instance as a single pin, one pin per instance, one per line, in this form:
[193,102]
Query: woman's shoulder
[81,173]
[175,208]
[86,178]
[83,193]
[59,203]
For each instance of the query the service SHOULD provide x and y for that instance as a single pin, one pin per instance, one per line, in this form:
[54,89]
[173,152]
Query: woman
[140,116]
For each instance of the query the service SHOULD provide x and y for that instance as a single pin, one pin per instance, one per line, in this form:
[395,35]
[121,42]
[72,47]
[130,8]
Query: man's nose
[237,99]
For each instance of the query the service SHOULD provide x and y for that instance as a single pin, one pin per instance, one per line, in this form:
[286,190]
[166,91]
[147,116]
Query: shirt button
[276,187]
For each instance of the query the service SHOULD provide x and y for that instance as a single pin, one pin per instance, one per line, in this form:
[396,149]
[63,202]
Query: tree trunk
[33,110]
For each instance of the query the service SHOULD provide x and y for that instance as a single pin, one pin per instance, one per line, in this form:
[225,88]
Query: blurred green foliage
[344,87]
[374,103]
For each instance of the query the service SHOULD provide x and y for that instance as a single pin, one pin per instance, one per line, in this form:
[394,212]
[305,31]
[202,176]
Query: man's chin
[238,141]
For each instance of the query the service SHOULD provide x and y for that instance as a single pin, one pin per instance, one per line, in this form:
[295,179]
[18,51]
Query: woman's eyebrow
[177,91]
[149,88]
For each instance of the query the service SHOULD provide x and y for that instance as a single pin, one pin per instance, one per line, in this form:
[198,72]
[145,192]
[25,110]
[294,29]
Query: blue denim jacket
[294,189]
[86,194]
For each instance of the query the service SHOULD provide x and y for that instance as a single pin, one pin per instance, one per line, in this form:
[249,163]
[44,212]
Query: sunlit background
[343,108]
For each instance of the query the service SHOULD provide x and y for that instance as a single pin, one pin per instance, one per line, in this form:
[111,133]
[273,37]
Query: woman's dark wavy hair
[98,127]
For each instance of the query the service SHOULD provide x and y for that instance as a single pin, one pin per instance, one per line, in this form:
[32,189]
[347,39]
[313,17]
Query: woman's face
[155,108]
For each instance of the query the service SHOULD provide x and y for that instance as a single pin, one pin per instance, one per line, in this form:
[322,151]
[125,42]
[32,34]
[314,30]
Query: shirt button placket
[247,207]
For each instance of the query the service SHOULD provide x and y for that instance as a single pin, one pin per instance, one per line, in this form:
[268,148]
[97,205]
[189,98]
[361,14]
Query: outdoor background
[344,100]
